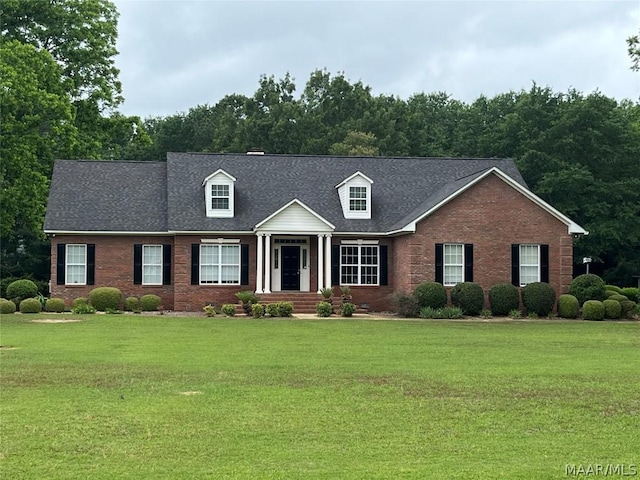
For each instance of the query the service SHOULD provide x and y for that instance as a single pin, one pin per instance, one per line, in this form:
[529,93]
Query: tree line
[60,93]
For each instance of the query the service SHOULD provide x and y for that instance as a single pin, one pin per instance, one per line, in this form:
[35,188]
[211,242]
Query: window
[220,264]
[76,265]
[219,197]
[529,264]
[152,264]
[357,199]
[359,265]
[453,263]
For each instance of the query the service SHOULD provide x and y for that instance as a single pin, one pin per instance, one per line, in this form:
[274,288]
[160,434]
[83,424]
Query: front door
[290,267]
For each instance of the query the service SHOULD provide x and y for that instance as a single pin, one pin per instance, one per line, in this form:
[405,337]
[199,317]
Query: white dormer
[355,196]
[219,194]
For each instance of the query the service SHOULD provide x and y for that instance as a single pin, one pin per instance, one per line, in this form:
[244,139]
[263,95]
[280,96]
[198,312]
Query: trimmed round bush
[102,298]
[631,293]
[613,288]
[21,289]
[469,297]
[538,298]
[54,305]
[257,310]
[150,302]
[7,306]
[617,297]
[324,309]
[609,293]
[593,310]
[131,304]
[430,294]
[285,309]
[587,287]
[348,309]
[612,309]
[568,306]
[503,297]
[77,302]
[30,305]
[627,308]
[228,309]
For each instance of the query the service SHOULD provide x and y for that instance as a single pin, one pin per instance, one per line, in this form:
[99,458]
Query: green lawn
[105,398]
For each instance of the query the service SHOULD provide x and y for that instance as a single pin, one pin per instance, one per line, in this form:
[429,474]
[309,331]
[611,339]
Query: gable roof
[122,196]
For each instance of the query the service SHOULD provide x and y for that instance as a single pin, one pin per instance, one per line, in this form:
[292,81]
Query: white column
[320,263]
[267,264]
[259,265]
[327,262]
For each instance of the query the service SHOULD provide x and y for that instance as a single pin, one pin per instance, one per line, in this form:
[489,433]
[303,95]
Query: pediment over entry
[294,217]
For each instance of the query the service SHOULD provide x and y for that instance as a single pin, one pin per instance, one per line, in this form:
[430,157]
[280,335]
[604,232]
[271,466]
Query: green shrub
[131,304]
[150,302]
[83,309]
[257,310]
[324,309]
[272,309]
[469,297]
[430,294]
[631,293]
[30,305]
[4,283]
[443,312]
[515,314]
[627,308]
[613,288]
[78,301]
[617,297]
[587,287]
[593,310]
[21,289]
[285,309]
[504,297]
[405,304]
[7,306]
[612,309]
[486,313]
[102,298]
[347,309]
[568,306]
[247,296]
[609,293]
[54,305]
[210,310]
[538,297]
[228,309]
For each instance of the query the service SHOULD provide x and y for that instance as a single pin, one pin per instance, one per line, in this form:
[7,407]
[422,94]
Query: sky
[177,54]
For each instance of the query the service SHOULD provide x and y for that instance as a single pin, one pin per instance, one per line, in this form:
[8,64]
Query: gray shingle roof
[155,196]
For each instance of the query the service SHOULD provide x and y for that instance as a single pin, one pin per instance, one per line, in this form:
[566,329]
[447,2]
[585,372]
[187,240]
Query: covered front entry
[284,250]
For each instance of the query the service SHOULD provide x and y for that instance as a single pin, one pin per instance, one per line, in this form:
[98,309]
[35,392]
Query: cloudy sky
[177,54]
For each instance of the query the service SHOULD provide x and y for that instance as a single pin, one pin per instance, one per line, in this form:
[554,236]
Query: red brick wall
[114,267]
[491,215]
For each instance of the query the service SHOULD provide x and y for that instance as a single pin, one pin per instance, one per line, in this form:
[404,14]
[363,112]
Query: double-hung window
[219,197]
[76,264]
[219,264]
[357,199]
[453,263]
[152,264]
[529,264]
[359,265]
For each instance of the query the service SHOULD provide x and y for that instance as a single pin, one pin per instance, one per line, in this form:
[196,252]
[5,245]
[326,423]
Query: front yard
[122,396]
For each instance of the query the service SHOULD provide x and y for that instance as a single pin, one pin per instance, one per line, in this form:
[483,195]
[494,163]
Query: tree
[356,144]
[633,48]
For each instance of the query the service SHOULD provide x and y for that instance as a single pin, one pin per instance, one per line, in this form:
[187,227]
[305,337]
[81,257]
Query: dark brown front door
[290,268]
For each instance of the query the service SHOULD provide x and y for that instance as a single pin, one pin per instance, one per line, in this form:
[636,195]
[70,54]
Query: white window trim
[358,179]
[521,264]
[445,264]
[153,265]
[220,177]
[360,265]
[220,265]
[67,264]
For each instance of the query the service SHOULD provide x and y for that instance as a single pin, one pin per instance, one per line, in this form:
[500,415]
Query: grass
[117,396]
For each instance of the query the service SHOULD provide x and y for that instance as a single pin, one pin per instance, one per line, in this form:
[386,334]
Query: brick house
[200,227]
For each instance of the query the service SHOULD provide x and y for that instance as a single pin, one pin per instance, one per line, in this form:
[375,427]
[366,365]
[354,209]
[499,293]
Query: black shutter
[468,262]
[137,264]
[335,264]
[195,264]
[440,263]
[244,264]
[544,263]
[384,275]
[166,264]
[91,263]
[61,264]
[515,264]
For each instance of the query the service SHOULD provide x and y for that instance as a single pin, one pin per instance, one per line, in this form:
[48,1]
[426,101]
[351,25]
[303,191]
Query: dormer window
[218,194]
[355,196]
